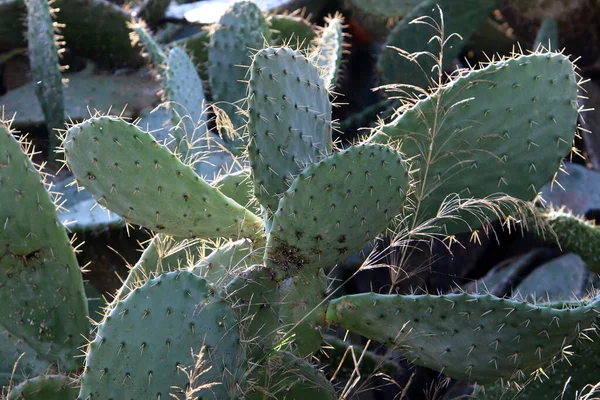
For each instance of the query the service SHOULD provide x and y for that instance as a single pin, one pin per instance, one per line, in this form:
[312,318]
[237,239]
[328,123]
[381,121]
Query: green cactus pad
[12,349]
[185,98]
[287,377]
[152,50]
[45,66]
[460,18]
[302,310]
[46,387]
[163,254]
[502,129]
[197,46]
[473,337]
[128,172]
[385,8]
[227,261]
[327,52]
[290,120]
[575,235]
[236,185]
[254,298]
[547,36]
[333,208]
[240,31]
[153,11]
[563,380]
[145,340]
[48,314]
[291,30]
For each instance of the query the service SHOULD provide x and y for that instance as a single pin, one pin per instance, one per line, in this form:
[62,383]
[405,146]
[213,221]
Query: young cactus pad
[240,31]
[47,313]
[327,52]
[501,129]
[157,330]
[473,337]
[46,387]
[290,120]
[334,207]
[129,173]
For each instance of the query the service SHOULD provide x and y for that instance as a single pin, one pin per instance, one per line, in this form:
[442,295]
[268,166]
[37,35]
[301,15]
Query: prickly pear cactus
[240,31]
[289,120]
[46,387]
[131,174]
[479,338]
[312,228]
[45,65]
[49,315]
[487,133]
[327,52]
[172,332]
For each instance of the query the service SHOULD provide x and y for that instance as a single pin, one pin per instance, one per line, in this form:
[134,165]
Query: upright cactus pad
[291,30]
[46,387]
[302,310]
[290,120]
[152,50]
[132,175]
[236,185]
[473,337]
[46,313]
[254,298]
[160,328]
[501,129]
[334,207]
[240,31]
[45,65]
[185,98]
[460,18]
[327,52]
[286,377]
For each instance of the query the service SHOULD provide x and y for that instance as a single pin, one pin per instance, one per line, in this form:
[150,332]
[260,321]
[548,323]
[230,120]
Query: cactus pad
[290,120]
[45,65]
[128,172]
[145,340]
[237,186]
[333,208]
[254,298]
[501,129]
[286,377]
[327,52]
[291,30]
[385,8]
[302,310]
[48,314]
[185,97]
[474,337]
[240,31]
[46,387]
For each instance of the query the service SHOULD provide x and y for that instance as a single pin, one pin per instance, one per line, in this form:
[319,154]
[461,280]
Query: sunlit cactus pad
[474,337]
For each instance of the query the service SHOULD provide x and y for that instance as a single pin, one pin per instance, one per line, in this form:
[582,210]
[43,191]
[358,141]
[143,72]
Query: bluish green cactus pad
[128,172]
[228,261]
[462,18]
[501,129]
[46,313]
[145,340]
[45,65]
[13,348]
[254,298]
[185,99]
[241,31]
[478,338]
[302,310]
[334,207]
[46,387]
[291,30]
[236,185]
[152,50]
[287,377]
[327,52]
[290,120]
